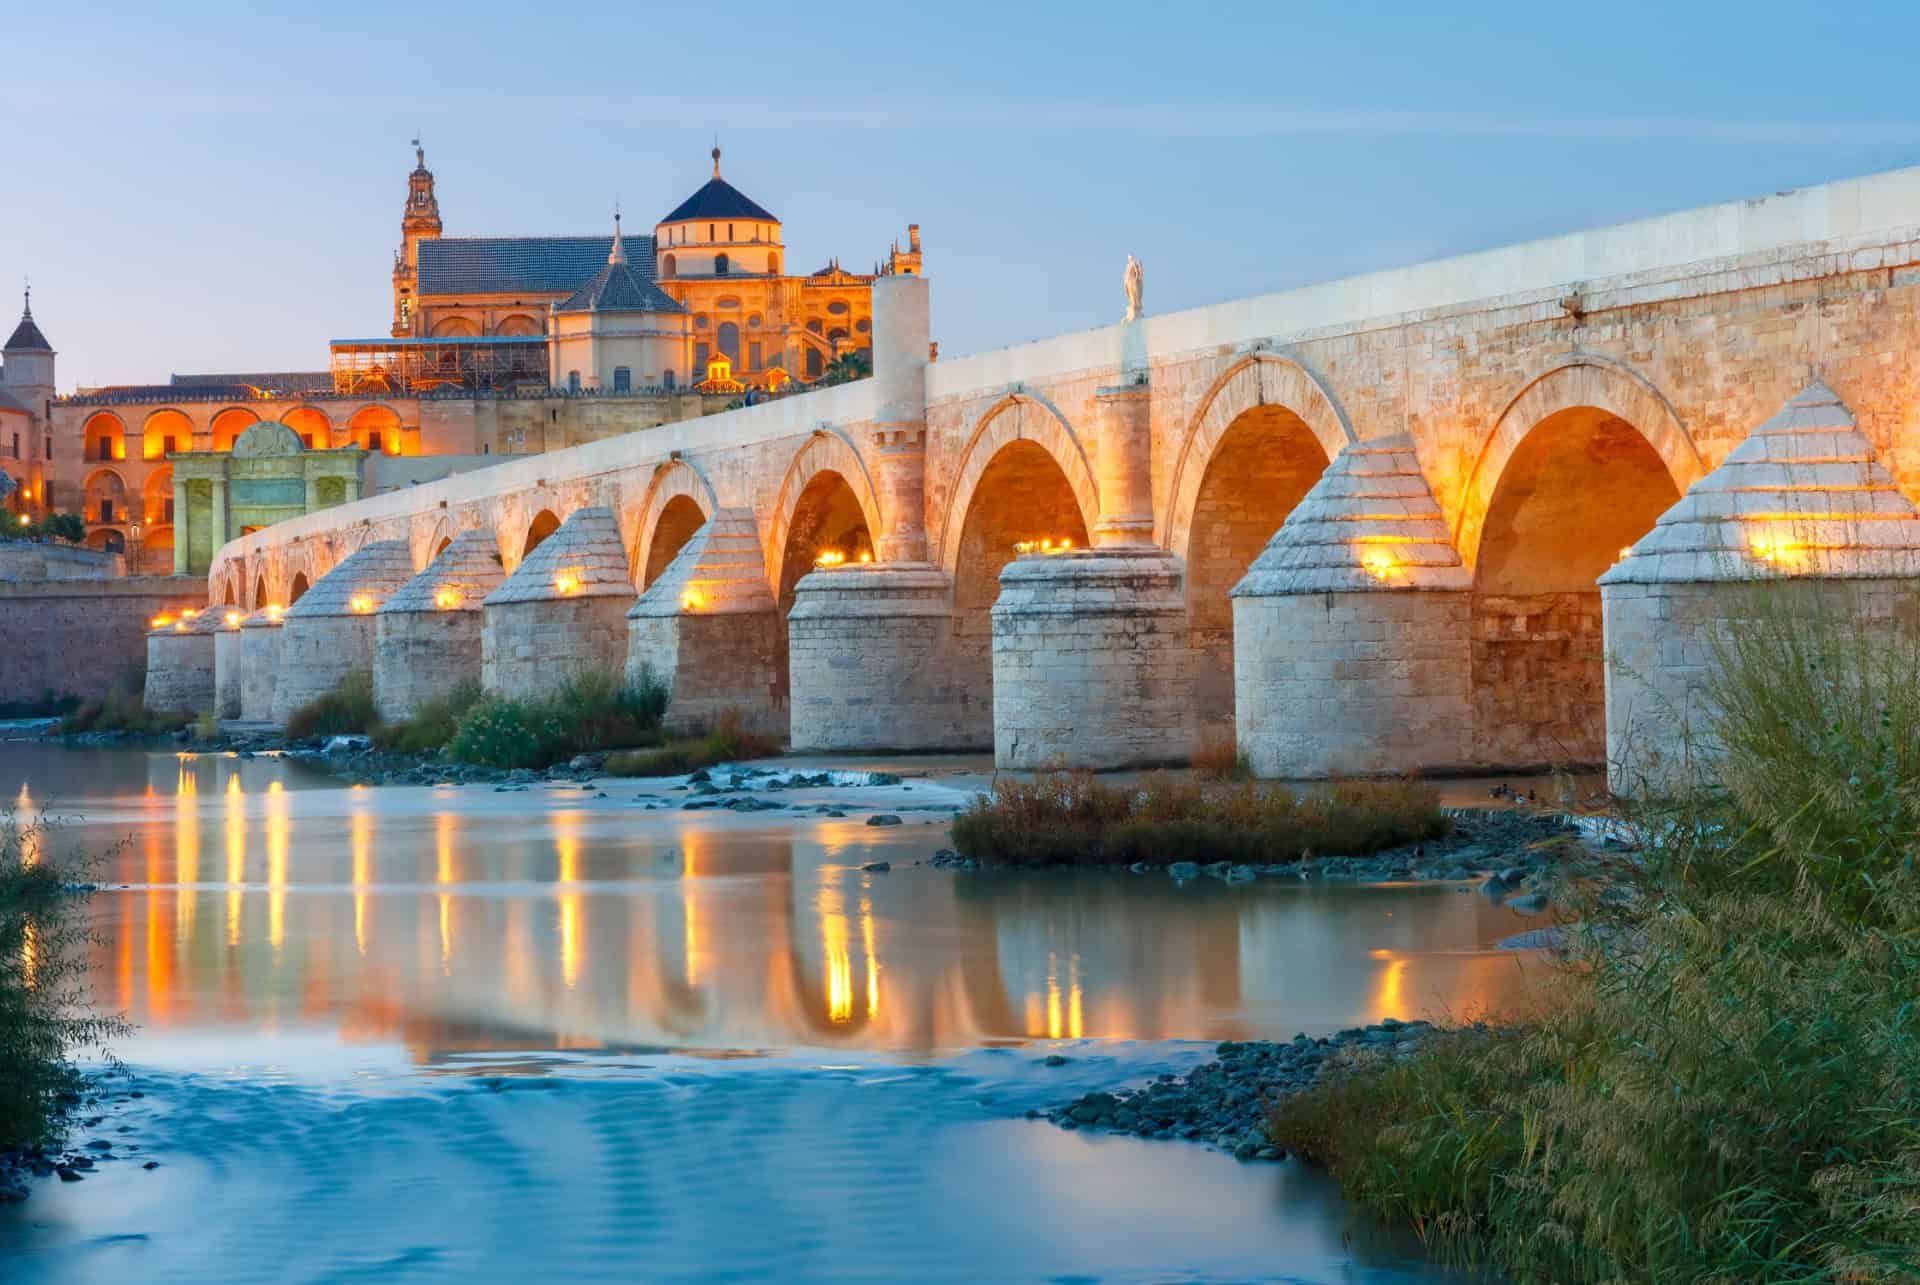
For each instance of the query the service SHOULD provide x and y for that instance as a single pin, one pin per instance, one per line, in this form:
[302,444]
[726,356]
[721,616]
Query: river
[462,1033]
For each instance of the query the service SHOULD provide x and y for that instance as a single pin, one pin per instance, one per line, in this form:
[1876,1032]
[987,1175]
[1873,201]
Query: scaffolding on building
[413,367]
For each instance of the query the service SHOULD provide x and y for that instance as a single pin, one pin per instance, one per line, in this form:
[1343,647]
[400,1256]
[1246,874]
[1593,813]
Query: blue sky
[219,187]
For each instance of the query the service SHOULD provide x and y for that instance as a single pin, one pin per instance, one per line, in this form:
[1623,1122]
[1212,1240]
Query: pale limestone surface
[1351,629]
[260,635]
[427,635]
[561,613]
[226,670]
[329,633]
[1091,666]
[1802,504]
[180,659]
[709,628]
[867,661]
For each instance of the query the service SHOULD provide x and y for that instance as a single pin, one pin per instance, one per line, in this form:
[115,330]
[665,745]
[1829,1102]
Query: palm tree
[847,367]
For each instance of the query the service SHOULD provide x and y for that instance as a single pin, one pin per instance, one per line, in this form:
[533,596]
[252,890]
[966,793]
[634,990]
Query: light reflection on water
[458,919]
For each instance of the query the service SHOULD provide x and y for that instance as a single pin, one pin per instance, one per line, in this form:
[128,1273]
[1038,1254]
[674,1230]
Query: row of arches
[107,438]
[517,325]
[1577,465]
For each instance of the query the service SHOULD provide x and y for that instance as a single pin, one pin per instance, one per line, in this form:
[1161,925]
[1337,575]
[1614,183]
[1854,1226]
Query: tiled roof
[718,572]
[618,288]
[285,381]
[1802,495]
[372,573]
[27,337]
[1370,523]
[585,555]
[465,572]
[526,264]
[719,199]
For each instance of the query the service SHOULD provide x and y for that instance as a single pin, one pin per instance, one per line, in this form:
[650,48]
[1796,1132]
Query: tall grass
[1074,819]
[44,1013]
[728,742]
[123,709]
[347,710]
[433,725]
[1727,1086]
[586,714]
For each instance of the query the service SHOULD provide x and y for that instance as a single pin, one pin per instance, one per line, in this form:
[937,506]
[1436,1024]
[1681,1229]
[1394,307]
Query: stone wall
[259,669]
[421,656]
[529,648]
[226,673]
[316,653]
[714,665]
[79,637]
[1538,680]
[28,560]
[1353,684]
[180,677]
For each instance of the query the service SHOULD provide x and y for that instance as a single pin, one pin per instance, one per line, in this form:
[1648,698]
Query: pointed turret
[28,371]
[26,336]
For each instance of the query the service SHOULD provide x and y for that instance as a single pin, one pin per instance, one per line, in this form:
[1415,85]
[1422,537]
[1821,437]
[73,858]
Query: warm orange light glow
[829,558]
[190,612]
[1377,564]
[1780,551]
[866,555]
[361,603]
[567,579]
[691,600]
[447,598]
[161,622]
[25,520]
[1626,553]
[233,620]
[1047,544]
[274,610]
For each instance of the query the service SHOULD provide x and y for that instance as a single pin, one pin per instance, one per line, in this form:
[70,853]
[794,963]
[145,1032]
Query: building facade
[26,398]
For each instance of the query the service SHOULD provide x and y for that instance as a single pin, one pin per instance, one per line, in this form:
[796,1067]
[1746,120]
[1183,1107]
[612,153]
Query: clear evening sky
[206,187]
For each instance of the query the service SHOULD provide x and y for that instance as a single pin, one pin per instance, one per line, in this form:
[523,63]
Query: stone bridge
[1355,527]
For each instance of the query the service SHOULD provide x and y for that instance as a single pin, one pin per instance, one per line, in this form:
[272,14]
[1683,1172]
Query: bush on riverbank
[123,709]
[1728,1087]
[588,713]
[44,1019]
[728,742]
[434,725]
[1074,819]
[347,710]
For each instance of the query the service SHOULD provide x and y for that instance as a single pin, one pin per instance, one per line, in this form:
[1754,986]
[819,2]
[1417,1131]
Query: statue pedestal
[1091,665]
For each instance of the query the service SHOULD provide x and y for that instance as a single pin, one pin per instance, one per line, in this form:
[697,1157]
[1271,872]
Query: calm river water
[463,1034]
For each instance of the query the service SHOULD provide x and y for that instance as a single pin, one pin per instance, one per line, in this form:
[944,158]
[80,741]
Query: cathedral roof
[276,381]
[618,287]
[26,335]
[719,199]
[520,264]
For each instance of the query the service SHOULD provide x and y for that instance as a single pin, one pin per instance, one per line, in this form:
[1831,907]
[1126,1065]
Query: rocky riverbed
[97,1135]
[1225,1103]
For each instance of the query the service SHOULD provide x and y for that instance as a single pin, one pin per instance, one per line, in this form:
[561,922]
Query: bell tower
[420,221]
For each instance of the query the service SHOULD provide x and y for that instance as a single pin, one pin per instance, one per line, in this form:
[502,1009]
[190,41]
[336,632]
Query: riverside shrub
[347,710]
[1074,819]
[728,742]
[586,714]
[44,1014]
[434,724]
[123,709]
[1727,1084]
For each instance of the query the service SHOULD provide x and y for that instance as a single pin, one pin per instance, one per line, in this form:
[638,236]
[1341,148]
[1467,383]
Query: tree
[847,367]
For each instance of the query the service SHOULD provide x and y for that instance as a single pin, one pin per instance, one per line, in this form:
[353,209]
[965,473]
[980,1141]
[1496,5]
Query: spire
[716,156]
[618,254]
[419,155]
[26,336]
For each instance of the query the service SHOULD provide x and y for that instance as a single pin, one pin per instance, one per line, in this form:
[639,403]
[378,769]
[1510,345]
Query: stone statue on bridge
[1132,280]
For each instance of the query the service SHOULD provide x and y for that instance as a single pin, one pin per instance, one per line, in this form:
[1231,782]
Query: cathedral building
[719,256]
[496,346]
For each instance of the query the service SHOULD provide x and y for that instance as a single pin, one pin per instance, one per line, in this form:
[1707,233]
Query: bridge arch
[1017,417]
[259,590]
[543,524]
[825,457]
[1576,380]
[1256,380]
[1579,464]
[678,499]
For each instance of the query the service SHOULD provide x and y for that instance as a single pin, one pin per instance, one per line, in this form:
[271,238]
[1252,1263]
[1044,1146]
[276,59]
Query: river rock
[883,818]
[1184,870]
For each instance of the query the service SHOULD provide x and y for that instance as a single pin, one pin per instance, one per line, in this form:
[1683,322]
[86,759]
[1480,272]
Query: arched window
[622,379]
[728,339]
[668,267]
[719,265]
[573,381]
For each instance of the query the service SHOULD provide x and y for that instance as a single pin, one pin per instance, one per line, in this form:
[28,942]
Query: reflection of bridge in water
[393,917]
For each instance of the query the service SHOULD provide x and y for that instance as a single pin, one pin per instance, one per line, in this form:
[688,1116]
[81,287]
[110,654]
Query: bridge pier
[260,635]
[226,665]
[1800,518]
[427,636]
[180,676]
[1092,667]
[709,629]
[1352,638]
[867,660]
[329,633]
[562,613]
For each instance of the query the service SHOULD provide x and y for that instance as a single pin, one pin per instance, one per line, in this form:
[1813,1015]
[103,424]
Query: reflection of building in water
[447,931]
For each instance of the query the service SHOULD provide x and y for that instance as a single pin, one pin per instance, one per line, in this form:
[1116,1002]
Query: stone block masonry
[1091,662]
[427,636]
[226,670]
[562,613]
[180,665]
[260,636]
[79,637]
[329,633]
